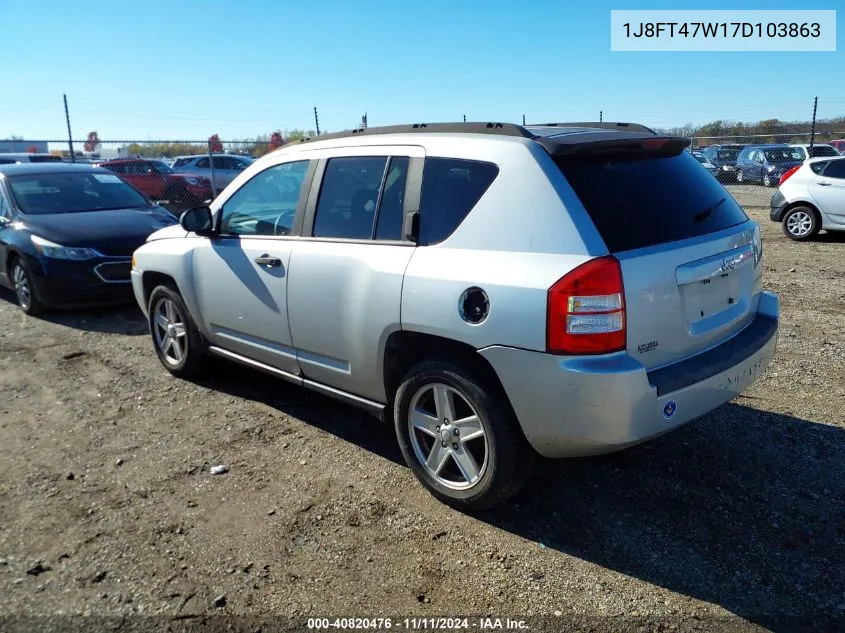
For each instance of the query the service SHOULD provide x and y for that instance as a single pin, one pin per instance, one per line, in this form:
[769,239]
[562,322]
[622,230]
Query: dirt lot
[107,506]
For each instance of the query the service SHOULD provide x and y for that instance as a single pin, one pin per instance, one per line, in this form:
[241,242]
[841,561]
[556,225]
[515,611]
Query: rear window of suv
[638,200]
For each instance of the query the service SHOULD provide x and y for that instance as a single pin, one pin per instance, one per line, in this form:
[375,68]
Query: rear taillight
[787,174]
[586,310]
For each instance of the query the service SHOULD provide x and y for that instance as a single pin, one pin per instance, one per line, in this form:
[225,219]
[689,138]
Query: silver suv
[223,170]
[493,290]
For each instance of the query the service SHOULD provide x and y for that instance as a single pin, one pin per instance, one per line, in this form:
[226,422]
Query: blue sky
[184,69]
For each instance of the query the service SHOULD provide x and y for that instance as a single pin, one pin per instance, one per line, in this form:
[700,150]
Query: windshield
[823,150]
[784,155]
[727,155]
[40,194]
[162,167]
[700,158]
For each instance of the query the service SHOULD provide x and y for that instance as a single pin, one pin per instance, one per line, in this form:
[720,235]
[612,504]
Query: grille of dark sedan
[114,271]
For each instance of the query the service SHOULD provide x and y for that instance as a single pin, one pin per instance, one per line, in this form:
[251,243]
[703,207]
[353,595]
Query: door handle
[268,260]
[824,184]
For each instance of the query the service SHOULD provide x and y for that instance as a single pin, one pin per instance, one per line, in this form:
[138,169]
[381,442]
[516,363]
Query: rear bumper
[587,406]
[778,205]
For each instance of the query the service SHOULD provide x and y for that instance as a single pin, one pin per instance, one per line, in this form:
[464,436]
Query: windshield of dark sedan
[39,194]
[783,155]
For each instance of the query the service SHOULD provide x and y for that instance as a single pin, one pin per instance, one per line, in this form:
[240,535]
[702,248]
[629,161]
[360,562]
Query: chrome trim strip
[124,260]
[375,408]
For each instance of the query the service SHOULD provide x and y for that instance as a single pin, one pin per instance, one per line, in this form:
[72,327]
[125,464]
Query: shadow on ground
[124,319]
[743,508]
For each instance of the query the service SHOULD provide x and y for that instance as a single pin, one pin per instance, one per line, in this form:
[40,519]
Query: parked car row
[189,181]
[388,269]
[761,163]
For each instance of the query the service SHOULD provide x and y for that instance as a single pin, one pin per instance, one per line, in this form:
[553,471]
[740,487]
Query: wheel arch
[150,279]
[405,348]
[801,203]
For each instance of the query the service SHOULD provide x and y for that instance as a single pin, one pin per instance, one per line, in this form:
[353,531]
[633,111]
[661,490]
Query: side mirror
[198,220]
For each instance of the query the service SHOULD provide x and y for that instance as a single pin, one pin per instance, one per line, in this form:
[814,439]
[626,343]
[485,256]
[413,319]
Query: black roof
[48,168]
[556,138]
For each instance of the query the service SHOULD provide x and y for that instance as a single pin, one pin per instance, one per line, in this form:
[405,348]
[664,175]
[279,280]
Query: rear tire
[176,338]
[801,223]
[459,436]
[21,278]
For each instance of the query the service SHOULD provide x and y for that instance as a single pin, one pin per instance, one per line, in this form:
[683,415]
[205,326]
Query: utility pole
[601,116]
[465,118]
[69,135]
[523,119]
[813,130]
[316,121]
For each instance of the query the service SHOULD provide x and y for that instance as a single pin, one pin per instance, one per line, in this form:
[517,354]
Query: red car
[839,145]
[156,180]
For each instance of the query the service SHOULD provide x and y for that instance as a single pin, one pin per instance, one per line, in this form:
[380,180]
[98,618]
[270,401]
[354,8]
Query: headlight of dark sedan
[57,251]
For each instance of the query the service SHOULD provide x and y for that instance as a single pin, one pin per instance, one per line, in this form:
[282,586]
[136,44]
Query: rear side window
[835,169]
[117,168]
[181,162]
[819,167]
[451,187]
[637,200]
[203,163]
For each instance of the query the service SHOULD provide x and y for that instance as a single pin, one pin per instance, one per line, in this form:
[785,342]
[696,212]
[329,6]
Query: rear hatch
[689,254]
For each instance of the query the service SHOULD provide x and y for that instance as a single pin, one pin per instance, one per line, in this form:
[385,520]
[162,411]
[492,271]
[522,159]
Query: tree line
[250,146]
[766,131]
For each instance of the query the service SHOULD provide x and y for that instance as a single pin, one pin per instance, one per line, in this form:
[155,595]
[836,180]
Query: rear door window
[451,187]
[348,198]
[835,169]
[638,200]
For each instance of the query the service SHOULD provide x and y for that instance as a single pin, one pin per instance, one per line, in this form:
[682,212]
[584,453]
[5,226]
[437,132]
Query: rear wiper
[706,213]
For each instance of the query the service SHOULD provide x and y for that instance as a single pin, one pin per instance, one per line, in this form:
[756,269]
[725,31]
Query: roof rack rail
[605,125]
[500,129]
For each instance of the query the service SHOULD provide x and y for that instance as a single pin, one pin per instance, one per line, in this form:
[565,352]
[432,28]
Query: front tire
[801,223]
[767,180]
[459,436]
[739,176]
[21,278]
[176,338]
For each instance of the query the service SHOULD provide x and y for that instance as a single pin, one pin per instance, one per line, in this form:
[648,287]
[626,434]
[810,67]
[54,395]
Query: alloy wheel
[448,436]
[169,330]
[22,289]
[799,224]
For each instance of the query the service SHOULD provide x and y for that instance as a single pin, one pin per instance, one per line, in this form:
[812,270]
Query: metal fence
[797,138]
[184,173]
[177,173]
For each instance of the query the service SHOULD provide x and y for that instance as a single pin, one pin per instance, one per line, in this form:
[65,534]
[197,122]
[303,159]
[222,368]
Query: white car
[820,150]
[811,198]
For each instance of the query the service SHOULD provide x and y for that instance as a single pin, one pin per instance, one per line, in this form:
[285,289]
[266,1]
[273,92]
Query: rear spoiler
[614,143]
[604,125]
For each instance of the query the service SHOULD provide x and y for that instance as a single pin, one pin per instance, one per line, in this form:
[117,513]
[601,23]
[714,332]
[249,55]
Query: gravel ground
[107,506]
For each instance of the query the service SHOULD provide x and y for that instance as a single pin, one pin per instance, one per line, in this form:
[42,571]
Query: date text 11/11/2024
[722,29]
[417,624]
